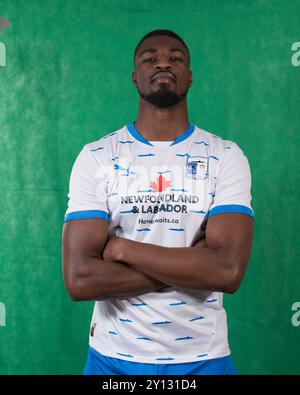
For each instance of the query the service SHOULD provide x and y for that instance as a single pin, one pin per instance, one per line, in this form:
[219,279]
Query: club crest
[197,167]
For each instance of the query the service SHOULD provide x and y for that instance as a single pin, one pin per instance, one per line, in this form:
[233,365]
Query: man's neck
[156,124]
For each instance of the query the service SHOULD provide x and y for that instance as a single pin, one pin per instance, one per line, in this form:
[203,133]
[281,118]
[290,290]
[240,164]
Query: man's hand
[112,248]
[113,251]
[200,243]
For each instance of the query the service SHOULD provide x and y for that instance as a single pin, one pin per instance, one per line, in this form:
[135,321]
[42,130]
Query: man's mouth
[163,76]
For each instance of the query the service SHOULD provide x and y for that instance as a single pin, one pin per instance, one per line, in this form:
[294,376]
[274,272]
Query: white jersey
[160,192]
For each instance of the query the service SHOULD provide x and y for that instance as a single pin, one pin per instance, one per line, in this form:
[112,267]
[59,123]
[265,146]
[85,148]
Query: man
[159,225]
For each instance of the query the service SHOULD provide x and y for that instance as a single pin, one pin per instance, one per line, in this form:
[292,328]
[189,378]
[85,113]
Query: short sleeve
[87,191]
[233,184]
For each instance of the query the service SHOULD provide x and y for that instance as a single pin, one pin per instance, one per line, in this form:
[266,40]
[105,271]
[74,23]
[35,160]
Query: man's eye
[173,58]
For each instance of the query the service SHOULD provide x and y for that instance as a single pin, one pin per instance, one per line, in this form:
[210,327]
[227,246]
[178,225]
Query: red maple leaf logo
[160,185]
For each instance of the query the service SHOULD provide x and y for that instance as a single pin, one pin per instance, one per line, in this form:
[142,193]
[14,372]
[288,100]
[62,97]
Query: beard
[164,97]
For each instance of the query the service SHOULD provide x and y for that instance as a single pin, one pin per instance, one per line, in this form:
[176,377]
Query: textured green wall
[67,81]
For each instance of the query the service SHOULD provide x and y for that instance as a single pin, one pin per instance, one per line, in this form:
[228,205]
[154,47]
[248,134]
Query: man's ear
[133,77]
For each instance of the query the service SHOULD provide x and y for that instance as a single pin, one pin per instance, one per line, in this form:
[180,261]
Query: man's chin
[162,99]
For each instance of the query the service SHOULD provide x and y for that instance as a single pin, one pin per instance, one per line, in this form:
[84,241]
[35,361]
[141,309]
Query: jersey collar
[183,136]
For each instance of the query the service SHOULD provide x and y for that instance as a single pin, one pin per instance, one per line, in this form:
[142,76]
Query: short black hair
[161,32]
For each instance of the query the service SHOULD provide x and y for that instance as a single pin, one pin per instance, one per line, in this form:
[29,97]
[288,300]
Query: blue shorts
[98,364]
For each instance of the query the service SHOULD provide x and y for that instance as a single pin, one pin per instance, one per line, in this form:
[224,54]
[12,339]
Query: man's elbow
[75,287]
[233,281]
[73,290]
[75,294]
[231,288]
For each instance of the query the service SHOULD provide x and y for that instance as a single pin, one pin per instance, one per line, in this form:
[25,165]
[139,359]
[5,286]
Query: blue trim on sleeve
[86,215]
[231,208]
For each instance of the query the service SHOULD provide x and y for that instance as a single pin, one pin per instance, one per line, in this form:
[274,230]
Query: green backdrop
[67,81]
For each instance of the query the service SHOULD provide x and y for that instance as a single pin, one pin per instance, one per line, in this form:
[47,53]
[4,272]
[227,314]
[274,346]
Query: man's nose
[163,62]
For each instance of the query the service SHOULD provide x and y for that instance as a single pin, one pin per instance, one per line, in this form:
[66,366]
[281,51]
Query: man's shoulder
[215,142]
[106,141]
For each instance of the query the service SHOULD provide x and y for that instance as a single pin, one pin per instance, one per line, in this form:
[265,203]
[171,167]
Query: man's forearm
[103,280]
[186,267]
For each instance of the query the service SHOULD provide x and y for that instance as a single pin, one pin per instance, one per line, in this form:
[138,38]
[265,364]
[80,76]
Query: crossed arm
[98,268]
